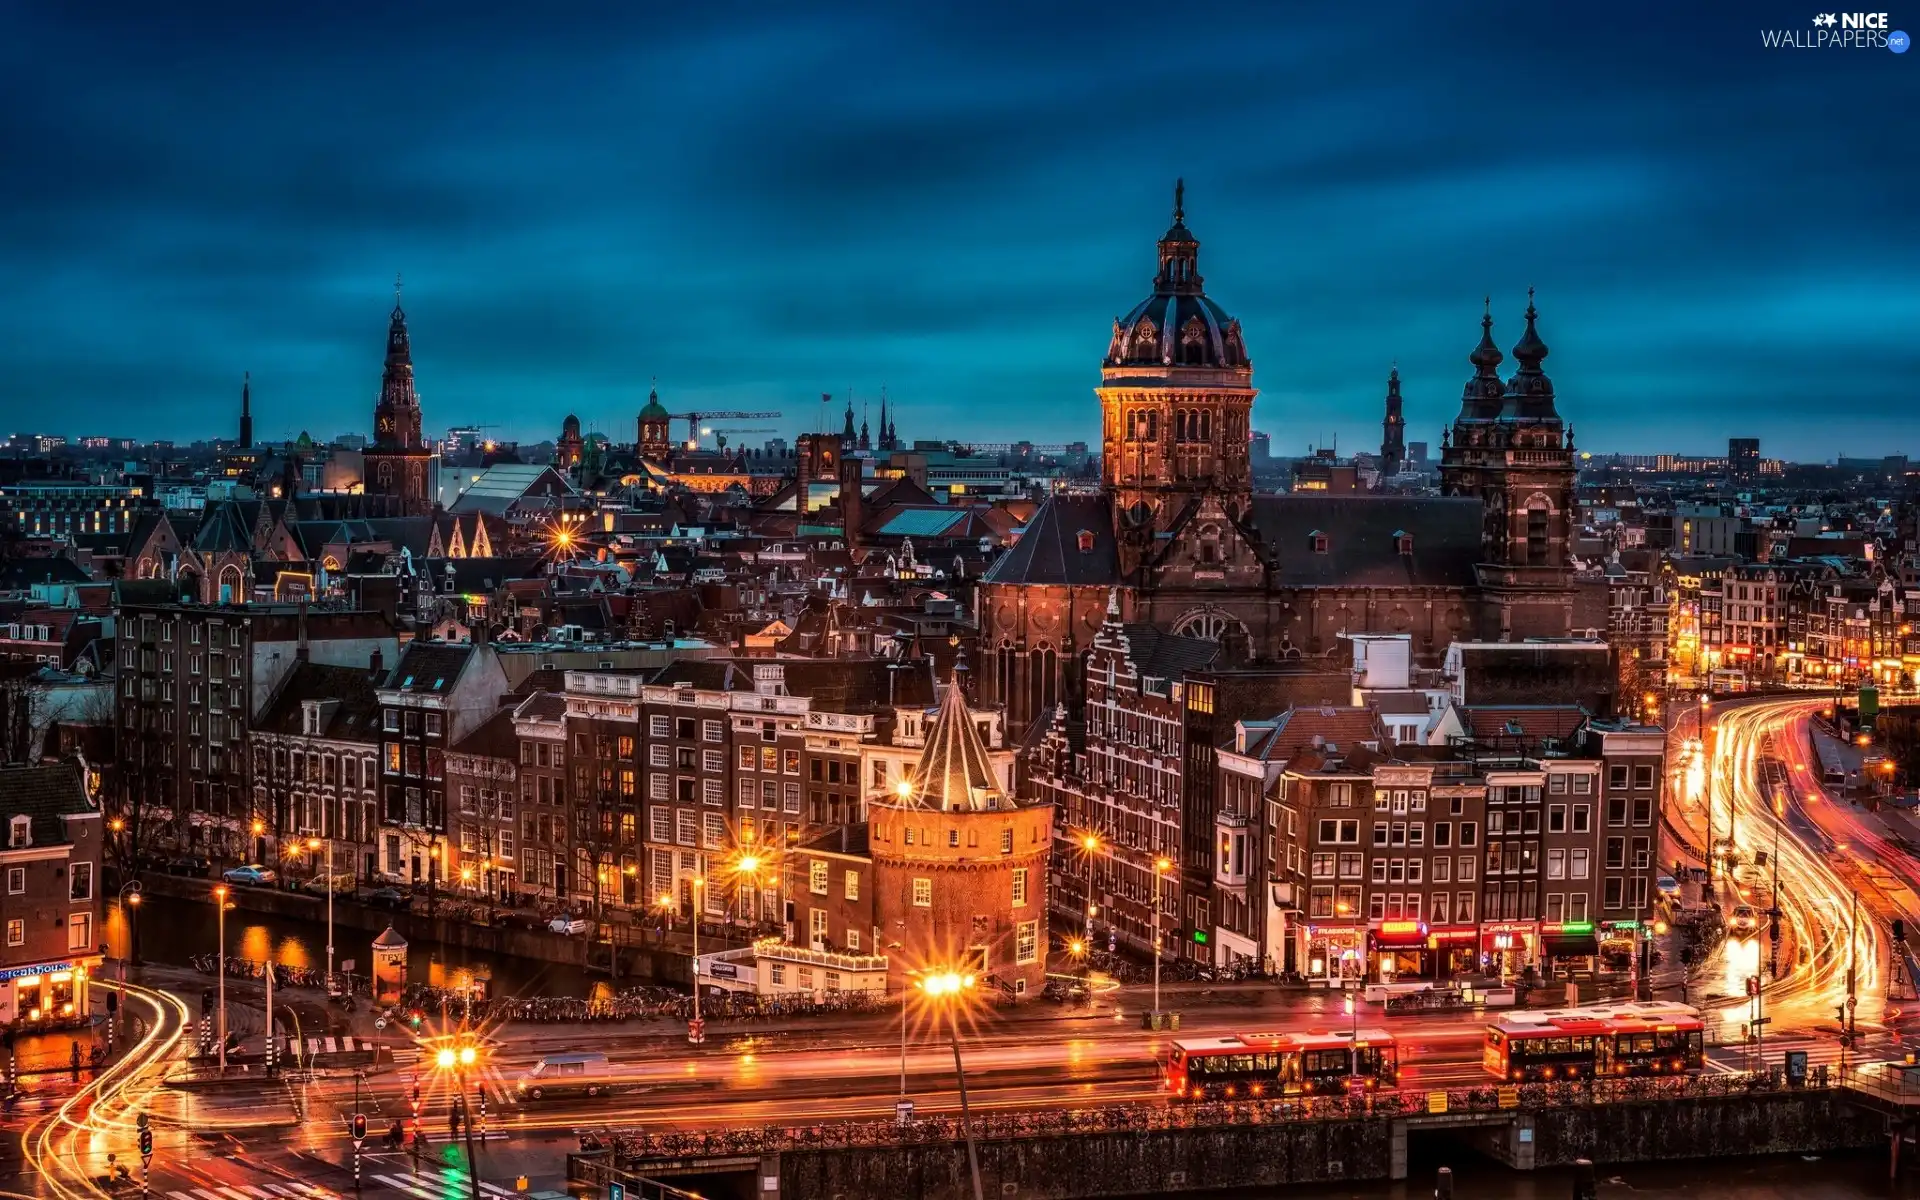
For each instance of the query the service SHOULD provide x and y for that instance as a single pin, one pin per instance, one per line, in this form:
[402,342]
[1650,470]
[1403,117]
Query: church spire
[849,437]
[396,417]
[1393,446]
[886,434]
[246,411]
[1480,401]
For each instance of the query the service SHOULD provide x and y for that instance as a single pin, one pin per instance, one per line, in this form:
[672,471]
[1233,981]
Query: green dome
[654,411]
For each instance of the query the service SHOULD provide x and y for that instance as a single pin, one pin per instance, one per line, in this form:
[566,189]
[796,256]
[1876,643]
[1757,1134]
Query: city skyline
[672,211]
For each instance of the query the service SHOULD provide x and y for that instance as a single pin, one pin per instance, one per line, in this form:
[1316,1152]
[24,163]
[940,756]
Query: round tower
[960,866]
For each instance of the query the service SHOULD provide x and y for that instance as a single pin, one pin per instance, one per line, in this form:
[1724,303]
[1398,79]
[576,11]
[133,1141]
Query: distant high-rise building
[1417,453]
[1262,448]
[1743,457]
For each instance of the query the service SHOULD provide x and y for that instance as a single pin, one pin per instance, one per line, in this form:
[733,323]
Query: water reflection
[174,932]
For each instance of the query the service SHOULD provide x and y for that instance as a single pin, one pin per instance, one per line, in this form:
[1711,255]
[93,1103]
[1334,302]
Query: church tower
[1393,437]
[1509,447]
[655,441]
[1176,397]
[246,411]
[398,464]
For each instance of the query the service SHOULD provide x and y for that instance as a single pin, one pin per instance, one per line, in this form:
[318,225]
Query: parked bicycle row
[283,974]
[636,1004]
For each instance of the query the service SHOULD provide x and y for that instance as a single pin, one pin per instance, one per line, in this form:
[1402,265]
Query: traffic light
[1753,985]
[453,1121]
[415,1018]
[414,1096]
[359,1127]
[1899,930]
[206,1002]
[146,1143]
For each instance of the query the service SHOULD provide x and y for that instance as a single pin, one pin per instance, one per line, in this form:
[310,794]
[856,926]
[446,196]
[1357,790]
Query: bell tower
[399,463]
[1509,447]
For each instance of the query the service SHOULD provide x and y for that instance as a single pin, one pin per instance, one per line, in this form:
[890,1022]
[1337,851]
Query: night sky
[758,204]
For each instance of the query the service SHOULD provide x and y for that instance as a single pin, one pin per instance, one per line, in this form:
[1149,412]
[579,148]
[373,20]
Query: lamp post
[458,1061]
[696,1028]
[313,844]
[220,1028]
[1091,844]
[1707,762]
[747,882]
[947,989]
[130,906]
[1161,866]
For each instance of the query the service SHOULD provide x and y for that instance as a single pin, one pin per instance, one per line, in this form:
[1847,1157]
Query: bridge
[1084,1154]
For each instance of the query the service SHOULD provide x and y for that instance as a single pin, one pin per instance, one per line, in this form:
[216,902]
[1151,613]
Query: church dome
[570,427]
[654,411]
[1178,325]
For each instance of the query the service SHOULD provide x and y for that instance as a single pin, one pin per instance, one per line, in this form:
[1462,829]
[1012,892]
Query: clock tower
[399,463]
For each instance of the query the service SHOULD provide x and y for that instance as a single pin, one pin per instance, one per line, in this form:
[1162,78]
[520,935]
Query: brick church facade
[1178,534]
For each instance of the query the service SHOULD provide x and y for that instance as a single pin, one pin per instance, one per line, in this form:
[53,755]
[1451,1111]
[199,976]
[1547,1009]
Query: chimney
[376,662]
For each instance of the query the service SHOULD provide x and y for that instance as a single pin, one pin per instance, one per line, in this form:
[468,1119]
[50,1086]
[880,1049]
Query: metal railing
[630,1147]
[1885,1081]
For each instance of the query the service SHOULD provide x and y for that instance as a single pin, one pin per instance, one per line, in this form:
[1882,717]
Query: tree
[19,725]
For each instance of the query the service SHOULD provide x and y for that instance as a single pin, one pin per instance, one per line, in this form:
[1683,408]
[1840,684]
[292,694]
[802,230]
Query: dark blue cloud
[757,204]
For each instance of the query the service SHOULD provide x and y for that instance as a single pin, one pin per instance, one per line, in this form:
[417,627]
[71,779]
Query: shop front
[1619,942]
[1508,948]
[50,995]
[1398,950]
[1569,948]
[1336,954]
[1455,950]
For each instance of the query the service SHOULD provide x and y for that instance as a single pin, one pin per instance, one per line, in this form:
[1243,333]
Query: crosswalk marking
[453,1183]
[247,1191]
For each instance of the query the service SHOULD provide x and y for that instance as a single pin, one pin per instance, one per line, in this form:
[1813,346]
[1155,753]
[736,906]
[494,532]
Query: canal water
[1788,1177]
[173,931]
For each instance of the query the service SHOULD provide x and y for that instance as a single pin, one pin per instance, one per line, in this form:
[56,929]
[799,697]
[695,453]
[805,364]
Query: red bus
[1280,1064]
[1582,1043]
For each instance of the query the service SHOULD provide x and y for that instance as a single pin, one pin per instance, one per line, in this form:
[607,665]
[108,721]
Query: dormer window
[1085,540]
[1402,542]
[1317,541]
[19,833]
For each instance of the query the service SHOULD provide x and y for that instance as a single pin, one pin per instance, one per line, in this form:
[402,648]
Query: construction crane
[720,435]
[693,421]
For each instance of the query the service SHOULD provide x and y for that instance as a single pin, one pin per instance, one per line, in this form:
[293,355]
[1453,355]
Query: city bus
[1582,1043]
[1280,1064]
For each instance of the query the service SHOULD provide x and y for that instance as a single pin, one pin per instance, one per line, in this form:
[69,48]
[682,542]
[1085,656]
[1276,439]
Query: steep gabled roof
[1048,551]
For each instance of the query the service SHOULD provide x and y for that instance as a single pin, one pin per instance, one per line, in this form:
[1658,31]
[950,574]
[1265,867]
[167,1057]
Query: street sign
[1436,1102]
[1509,1097]
[380,1023]
[903,1111]
[616,1191]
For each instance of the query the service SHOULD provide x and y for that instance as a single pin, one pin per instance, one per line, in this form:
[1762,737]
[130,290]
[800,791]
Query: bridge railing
[636,1146]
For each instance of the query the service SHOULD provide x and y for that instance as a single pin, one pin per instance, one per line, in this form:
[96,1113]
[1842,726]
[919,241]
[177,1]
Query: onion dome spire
[1529,393]
[1530,351]
[1481,399]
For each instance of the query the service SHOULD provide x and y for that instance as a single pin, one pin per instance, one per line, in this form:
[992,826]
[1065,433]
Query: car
[386,897]
[1744,922]
[338,884]
[1668,885]
[252,875]
[571,926]
[188,864]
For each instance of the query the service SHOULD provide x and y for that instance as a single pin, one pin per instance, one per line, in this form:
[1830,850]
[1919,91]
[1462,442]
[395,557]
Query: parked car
[387,897]
[188,864]
[338,884]
[571,926]
[252,875]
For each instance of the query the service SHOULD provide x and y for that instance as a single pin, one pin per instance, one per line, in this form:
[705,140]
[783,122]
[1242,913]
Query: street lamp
[747,881]
[1090,842]
[313,844]
[220,902]
[1707,757]
[948,990]
[1161,866]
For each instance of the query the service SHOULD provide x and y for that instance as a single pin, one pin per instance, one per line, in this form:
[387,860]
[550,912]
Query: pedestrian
[73,1056]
